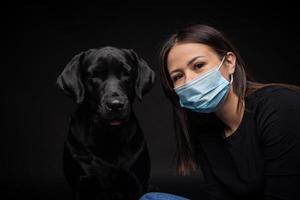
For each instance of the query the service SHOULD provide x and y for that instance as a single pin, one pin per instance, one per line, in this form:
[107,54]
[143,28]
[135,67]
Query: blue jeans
[161,196]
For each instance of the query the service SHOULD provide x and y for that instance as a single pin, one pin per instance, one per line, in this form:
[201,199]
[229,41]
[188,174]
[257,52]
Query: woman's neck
[229,113]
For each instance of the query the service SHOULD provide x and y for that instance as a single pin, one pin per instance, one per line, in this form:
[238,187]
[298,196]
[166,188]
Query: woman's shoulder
[276,111]
[277,124]
[274,96]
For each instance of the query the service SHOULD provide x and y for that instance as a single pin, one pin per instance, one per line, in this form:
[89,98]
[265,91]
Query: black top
[261,159]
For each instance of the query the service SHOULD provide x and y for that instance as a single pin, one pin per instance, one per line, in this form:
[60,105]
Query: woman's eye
[176,77]
[198,65]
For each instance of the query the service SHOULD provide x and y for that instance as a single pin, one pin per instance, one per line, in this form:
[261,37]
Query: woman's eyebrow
[193,59]
[188,63]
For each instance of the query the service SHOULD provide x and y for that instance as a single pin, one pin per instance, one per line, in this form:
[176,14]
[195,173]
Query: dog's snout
[115,104]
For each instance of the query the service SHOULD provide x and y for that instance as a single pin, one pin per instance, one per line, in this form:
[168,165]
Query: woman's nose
[189,76]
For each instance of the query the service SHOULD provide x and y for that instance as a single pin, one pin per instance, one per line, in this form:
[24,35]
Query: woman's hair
[243,85]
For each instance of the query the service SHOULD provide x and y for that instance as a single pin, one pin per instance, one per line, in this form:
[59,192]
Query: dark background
[39,39]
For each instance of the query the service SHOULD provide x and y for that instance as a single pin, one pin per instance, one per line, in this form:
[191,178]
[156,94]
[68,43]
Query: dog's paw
[117,183]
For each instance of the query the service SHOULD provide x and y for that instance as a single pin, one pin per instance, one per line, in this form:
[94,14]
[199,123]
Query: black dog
[105,154]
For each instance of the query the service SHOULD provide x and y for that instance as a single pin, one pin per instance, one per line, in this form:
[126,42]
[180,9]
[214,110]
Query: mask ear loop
[231,79]
[231,75]
[221,62]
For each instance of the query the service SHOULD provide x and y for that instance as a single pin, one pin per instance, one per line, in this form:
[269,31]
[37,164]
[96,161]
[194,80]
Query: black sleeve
[279,126]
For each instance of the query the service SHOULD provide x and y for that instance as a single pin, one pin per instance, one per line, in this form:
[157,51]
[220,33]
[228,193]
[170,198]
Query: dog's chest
[108,148]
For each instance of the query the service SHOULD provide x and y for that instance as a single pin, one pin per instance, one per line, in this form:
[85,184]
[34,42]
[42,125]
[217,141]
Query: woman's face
[186,61]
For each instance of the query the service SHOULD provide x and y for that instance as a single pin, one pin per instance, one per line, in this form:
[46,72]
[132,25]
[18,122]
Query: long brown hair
[243,85]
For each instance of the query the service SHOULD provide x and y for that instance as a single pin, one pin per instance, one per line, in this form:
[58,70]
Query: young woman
[243,135]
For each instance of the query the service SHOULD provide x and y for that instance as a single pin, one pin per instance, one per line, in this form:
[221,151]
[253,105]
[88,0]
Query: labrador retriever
[105,154]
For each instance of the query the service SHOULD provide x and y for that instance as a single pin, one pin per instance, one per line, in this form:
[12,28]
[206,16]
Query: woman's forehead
[181,53]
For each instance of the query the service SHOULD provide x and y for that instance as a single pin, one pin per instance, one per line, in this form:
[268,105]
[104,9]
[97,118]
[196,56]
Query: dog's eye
[92,80]
[125,72]
[96,74]
[99,73]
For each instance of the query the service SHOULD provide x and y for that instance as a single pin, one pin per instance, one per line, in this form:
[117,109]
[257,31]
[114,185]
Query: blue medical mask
[205,93]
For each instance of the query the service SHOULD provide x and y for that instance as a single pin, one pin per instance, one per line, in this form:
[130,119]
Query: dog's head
[107,80]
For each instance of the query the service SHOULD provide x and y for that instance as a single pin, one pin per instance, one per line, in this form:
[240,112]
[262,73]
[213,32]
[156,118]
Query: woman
[243,135]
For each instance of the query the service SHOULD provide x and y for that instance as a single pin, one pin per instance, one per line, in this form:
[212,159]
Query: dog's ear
[69,81]
[145,78]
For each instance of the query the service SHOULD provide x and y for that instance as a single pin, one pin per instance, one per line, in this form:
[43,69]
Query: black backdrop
[39,39]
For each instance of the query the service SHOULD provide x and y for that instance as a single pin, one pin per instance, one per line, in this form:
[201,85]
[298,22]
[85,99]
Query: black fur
[105,154]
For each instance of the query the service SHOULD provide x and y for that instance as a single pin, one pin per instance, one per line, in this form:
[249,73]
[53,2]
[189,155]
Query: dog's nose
[115,104]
